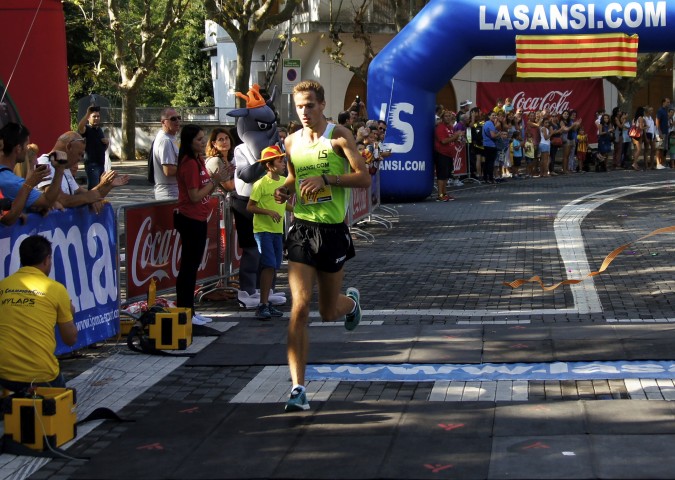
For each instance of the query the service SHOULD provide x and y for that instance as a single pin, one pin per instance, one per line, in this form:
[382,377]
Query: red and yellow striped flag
[571,56]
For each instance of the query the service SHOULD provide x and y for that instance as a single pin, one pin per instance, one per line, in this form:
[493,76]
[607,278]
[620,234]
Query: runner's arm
[359,178]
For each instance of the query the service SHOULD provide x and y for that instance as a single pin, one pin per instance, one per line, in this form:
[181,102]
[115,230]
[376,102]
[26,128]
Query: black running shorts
[323,246]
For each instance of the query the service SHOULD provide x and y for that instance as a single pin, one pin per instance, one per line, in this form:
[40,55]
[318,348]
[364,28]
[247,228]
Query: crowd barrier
[84,259]
[150,247]
[107,260]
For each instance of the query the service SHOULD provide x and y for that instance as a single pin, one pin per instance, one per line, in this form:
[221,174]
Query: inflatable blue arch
[405,76]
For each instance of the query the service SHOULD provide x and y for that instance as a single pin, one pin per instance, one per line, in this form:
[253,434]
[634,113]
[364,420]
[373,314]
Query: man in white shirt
[165,156]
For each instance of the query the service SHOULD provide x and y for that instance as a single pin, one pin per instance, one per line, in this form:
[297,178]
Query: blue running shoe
[297,402]
[275,312]
[352,319]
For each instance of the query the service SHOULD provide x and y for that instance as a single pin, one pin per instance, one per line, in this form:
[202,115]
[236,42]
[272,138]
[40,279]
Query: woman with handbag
[636,133]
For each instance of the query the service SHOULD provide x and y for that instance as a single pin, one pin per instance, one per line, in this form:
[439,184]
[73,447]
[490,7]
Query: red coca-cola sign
[153,247]
[584,96]
[359,204]
[459,166]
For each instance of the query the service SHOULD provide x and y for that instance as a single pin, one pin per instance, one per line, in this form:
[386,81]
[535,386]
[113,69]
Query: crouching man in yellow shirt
[31,305]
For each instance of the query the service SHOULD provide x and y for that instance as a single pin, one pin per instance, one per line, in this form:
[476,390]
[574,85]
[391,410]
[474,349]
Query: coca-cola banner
[84,251]
[459,158]
[584,96]
[153,247]
[359,205]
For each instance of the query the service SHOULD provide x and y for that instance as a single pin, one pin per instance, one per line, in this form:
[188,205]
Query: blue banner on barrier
[493,371]
[84,259]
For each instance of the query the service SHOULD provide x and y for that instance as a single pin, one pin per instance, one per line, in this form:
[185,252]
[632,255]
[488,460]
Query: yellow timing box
[48,417]
[171,330]
[126,325]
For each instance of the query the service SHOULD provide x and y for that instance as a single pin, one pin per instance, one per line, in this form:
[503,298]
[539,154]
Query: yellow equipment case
[46,416]
[170,329]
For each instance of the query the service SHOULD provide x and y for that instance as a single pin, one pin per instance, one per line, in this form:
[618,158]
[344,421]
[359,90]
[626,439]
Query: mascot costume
[257,128]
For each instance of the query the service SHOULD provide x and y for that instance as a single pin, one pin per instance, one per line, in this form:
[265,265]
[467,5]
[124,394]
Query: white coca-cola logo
[157,253]
[553,101]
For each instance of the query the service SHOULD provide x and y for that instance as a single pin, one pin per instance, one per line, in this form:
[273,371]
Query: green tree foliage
[87,72]
[192,68]
[130,37]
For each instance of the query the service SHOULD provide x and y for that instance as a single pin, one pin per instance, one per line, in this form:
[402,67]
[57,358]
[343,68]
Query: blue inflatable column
[403,80]
[408,173]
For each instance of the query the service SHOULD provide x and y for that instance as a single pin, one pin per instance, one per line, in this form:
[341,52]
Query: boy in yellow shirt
[268,225]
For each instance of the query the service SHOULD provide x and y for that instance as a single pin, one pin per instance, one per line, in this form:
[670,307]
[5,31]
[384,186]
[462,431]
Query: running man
[319,243]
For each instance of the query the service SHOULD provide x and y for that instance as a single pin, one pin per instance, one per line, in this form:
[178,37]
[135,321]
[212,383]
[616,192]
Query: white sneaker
[459,183]
[196,320]
[202,318]
[248,301]
[660,167]
[276,299]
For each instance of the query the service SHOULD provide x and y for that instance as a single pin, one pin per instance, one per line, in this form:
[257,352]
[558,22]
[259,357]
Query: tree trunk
[244,56]
[129,102]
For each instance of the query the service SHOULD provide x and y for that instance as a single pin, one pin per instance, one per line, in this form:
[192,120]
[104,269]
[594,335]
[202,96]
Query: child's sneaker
[263,312]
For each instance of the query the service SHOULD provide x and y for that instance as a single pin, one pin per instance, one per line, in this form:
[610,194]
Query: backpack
[151,164]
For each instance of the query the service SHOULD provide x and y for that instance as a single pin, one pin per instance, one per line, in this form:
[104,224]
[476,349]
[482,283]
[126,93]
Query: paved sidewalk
[587,370]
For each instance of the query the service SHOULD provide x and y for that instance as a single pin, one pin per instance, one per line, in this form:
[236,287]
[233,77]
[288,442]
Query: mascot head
[256,124]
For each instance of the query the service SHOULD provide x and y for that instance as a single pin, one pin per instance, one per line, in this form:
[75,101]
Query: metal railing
[200,115]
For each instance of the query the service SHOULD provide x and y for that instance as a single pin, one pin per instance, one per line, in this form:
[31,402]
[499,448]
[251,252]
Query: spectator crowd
[505,143]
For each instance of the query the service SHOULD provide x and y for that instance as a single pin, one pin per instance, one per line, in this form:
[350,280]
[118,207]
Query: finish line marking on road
[272,384]
[493,371]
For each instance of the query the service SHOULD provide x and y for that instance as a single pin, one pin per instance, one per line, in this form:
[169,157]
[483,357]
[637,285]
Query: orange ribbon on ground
[608,259]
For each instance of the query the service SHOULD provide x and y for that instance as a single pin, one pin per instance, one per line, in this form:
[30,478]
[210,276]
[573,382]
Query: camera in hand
[5,204]
[58,157]
[358,100]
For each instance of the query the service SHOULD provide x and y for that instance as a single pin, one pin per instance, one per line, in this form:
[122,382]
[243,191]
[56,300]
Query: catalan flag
[571,56]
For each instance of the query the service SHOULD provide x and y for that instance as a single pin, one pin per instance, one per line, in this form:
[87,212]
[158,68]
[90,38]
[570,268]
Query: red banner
[584,96]
[153,247]
[359,207]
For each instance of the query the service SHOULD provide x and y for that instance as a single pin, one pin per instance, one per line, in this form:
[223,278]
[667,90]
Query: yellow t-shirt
[31,304]
[263,195]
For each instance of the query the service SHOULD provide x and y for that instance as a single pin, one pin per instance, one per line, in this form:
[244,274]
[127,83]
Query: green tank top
[329,205]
